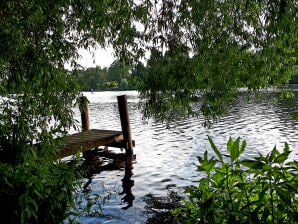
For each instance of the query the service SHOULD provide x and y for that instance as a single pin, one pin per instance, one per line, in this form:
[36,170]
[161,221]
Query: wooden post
[83,105]
[124,117]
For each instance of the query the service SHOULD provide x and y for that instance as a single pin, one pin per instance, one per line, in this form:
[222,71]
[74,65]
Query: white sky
[103,58]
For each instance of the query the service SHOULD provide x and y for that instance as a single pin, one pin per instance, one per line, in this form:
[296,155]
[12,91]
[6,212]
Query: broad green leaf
[286,148]
[243,146]
[253,164]
[230,144]
[235,150]
[207,166]
[273,154]
[266,167]
[282,157]
[200,159]
[215,149]
[217,177]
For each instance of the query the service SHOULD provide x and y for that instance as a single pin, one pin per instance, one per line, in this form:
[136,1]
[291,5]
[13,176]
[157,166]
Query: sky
[103,58]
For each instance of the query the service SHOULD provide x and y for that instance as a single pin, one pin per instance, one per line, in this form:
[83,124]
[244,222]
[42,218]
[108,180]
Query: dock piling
[125,124]
[83,105]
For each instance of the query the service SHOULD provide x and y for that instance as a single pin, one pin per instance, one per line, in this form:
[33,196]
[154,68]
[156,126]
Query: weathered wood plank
[87,140]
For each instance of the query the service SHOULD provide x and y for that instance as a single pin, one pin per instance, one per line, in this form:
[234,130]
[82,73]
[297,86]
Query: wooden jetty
[89,139]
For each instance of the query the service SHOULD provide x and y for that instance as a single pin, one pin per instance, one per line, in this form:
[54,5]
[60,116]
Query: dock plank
[87,140]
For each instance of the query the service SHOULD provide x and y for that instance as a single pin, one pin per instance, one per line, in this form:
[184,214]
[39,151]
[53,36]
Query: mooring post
[124,117]
[83,105]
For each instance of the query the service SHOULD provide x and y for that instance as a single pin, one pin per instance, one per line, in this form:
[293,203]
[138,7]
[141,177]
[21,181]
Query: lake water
[165,157]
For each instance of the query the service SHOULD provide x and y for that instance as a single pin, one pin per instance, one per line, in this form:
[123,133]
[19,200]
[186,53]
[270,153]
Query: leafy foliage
[36,191]
[37,39]
[259,190]
[205,50]
[211,46]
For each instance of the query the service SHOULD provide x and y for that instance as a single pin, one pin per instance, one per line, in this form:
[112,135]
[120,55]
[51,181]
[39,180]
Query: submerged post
[124,117]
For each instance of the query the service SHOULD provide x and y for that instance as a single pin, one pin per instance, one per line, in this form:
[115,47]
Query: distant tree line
[120,76]
[116,77]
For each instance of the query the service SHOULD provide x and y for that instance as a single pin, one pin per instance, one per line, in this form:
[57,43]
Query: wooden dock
[92,138]
[89,139]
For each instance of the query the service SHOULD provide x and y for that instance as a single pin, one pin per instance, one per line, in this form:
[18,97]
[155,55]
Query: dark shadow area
[127,184]
[159,209]
[98,160]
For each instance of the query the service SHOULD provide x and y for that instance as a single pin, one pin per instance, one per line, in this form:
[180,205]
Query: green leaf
[207,167]
[273,154]
[243,146]
[286,148]
[253,164]
[230,144]
[217,178]
[234,150]
[215,149]
[200,159]
[282,157]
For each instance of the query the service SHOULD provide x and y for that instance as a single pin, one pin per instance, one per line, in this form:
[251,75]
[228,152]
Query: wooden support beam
[125,124]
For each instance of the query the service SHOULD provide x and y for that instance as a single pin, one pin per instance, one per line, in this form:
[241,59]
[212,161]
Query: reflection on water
[165,158]
[99,160]
[127,184]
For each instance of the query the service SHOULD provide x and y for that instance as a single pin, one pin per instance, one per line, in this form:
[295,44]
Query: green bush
[259,190]
[36,189]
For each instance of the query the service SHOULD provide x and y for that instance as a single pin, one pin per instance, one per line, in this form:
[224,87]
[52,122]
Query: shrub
[259,190]
[36,189]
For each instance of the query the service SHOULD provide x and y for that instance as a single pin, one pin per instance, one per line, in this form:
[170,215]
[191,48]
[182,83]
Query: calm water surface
[165,157]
